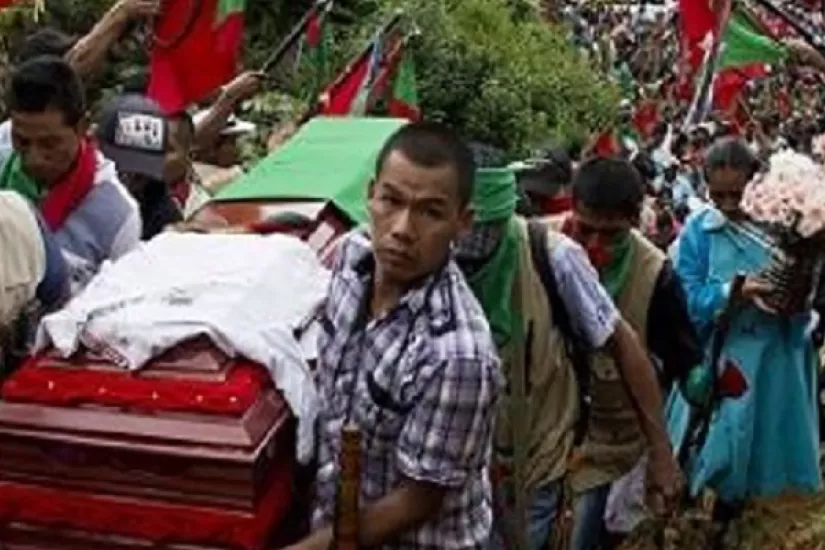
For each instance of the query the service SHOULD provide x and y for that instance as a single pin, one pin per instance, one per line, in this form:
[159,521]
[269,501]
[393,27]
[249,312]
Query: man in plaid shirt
[406,355]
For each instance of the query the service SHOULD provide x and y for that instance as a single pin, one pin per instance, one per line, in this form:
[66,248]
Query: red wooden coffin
[195,449]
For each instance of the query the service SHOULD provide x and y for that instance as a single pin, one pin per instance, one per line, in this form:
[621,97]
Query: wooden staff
[345,533]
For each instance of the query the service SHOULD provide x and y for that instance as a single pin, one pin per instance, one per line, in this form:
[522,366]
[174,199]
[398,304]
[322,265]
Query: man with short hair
[56,166]
[406,358]
[544,301]
[607,202]
[135,134]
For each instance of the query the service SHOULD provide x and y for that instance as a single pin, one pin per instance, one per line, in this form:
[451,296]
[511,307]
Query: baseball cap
[133,133]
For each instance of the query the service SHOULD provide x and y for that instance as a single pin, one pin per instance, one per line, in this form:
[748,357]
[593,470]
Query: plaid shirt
[421,383]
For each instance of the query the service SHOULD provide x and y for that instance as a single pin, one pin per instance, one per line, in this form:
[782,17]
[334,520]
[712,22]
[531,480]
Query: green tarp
[328,159]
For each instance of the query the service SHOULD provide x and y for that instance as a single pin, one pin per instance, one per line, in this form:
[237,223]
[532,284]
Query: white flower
[792,192]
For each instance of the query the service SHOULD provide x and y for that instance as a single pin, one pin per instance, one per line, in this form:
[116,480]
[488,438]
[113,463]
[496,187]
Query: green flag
[744,44]
[404,100]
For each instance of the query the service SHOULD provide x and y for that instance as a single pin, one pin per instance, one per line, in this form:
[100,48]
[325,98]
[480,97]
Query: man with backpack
[546,309]
[608,195]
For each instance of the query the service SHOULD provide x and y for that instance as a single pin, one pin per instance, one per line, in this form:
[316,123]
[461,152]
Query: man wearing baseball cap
[134,133]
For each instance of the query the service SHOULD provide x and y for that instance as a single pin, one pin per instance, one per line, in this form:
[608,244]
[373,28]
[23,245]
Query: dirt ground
[788,523]
[782,524]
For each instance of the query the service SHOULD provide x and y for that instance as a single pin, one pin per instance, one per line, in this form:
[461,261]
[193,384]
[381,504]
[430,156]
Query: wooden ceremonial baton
[345,533]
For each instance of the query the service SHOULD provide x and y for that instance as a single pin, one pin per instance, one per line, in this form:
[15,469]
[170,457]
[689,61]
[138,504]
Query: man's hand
[139,9]
[665,481]
[244,87]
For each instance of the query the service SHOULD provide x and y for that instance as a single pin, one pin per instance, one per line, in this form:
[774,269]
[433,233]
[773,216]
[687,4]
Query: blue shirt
[54,288]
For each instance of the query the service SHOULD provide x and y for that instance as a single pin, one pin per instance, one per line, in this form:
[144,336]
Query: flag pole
[322,6]
[703,97]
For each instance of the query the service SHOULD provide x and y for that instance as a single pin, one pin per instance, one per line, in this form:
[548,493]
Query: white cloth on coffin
[247,293]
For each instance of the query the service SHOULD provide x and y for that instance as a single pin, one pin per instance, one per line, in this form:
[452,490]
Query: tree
[500,73]
[494,69]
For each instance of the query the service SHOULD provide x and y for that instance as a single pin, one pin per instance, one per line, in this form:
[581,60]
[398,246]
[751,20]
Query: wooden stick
[347,514]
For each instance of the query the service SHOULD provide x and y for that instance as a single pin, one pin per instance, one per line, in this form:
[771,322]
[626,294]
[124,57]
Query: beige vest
[545,417]
[614,441]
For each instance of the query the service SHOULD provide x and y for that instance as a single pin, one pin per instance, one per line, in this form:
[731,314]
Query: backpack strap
[575,348]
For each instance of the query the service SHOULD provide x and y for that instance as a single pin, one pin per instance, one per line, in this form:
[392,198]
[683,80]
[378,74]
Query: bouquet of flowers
[790,197]
[790,201]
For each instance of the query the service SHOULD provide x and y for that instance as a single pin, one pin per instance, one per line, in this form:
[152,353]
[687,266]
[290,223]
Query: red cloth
[595,248]
[155,521]
[559,204]
[188,70]
[66,387]
[67,194]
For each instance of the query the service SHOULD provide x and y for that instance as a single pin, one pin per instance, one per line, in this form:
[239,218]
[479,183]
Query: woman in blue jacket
[766,441]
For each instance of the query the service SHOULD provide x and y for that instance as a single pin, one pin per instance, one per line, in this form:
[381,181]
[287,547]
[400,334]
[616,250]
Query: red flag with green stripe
[404,100]
[196,50]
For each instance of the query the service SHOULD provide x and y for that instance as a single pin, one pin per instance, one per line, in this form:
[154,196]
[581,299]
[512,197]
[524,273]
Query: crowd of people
[522,348]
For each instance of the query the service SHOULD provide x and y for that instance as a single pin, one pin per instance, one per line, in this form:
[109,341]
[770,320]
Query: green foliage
[491,68]
[509,80]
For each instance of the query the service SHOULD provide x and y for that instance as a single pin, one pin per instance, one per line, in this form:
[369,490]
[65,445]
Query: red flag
[196,50]
[340,98]
[6,3]
[696,18]
[404,101]
[606,145]
[397,82]
[646,117]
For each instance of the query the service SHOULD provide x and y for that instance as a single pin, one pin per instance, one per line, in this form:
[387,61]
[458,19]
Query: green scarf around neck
[494,200]
[616,273]
[14,178]
[493,284]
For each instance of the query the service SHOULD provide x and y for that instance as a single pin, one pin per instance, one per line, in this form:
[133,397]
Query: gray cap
[133,132]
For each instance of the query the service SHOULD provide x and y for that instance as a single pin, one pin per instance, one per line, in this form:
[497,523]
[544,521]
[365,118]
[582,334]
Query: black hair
[731,153]
[643,163]
[46,41]
[47,82]
[609,185]
[433,145]
[679,145]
